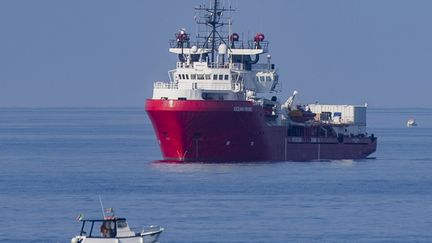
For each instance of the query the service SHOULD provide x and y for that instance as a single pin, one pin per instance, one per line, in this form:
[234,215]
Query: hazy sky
[109,52]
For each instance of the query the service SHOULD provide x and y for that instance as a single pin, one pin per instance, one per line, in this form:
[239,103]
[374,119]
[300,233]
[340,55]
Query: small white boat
[114,230]
[411,123]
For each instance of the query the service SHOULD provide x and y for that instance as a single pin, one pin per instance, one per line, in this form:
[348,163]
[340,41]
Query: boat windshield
[99,228]
[121,224]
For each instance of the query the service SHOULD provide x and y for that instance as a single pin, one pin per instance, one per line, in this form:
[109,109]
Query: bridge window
[193,76]
[214,76]
[226,77]
[183,76]
[187,76]
[207,76]
[220,77]
[200,76]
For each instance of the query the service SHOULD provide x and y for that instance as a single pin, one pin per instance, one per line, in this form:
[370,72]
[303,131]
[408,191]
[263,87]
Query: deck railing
[236,87]
[234,66]
[264,45]
[262,67]
[165,85]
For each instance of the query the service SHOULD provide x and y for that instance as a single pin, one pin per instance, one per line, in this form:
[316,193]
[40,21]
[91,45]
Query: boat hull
[236,131]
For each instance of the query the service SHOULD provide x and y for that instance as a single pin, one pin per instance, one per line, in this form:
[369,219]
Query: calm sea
[55,162]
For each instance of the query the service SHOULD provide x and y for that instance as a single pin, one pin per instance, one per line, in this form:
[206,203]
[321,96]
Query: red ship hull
[236,131]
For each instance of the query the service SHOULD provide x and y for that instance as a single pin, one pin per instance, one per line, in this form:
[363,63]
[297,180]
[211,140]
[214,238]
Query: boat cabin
[105,228]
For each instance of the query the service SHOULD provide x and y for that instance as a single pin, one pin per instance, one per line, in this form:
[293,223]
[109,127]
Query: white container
[344,114]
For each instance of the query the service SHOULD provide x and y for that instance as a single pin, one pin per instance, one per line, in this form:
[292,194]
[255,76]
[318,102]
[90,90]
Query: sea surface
[54,164]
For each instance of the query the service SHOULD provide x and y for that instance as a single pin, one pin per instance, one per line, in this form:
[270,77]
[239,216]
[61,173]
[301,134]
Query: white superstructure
[350,118]
[218,65]
[341,114]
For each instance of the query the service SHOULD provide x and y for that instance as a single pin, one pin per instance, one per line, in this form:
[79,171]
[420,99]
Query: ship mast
[213,18]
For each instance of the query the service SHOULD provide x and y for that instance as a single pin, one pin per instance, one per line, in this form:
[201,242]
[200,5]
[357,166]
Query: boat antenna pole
[102,207]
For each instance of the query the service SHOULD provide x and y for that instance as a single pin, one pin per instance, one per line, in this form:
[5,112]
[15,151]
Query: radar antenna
[213,17]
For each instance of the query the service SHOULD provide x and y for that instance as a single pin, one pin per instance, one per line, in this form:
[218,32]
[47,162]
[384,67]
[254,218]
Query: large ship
[221,104]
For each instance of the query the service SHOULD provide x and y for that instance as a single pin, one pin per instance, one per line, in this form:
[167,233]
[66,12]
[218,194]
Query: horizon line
[119,107]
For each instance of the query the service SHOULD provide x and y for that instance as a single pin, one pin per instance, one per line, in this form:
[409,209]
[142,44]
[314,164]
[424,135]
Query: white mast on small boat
[102,207]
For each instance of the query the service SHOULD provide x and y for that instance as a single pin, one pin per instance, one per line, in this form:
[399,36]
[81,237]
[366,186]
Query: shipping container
[345,114]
